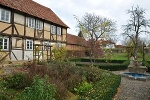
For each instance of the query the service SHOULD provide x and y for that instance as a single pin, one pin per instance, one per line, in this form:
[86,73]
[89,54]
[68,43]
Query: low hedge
[114,67]
[108,66]
[147,64]
[75,59]
[104,89]
[96,60]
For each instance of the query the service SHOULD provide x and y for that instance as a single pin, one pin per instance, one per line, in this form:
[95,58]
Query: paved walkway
[130,89]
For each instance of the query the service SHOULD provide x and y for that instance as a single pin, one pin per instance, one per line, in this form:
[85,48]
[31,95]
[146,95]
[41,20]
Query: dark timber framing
[23,37]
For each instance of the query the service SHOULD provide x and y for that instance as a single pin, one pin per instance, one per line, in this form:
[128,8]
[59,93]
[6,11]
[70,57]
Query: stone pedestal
[138,70]
[136,67]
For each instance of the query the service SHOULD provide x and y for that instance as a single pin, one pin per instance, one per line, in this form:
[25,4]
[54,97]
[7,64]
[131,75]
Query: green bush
[147,64]
[83,88]
[59,54]
[75,59]
[114,67]
[109,66]
[41,89]
[6,93]
[15,81]
[92,74]
[101,60]
[104,89]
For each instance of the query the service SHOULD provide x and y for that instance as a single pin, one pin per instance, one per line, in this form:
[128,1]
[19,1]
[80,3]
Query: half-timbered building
[29,30]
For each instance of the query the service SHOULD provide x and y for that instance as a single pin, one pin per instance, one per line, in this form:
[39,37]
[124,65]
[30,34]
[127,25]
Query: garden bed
[58,81]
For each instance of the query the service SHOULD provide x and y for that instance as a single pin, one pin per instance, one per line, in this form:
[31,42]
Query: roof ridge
[33,8]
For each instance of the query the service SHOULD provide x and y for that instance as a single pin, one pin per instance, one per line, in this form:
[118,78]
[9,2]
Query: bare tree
[94,27]
[136,26]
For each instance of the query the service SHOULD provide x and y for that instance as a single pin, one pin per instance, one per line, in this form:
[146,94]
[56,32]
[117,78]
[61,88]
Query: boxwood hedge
[114,65]
[95,60]
[104,89]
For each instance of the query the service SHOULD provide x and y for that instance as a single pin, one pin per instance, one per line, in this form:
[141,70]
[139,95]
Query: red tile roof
[32,8]
[119,46]
[106,42]
[75,40]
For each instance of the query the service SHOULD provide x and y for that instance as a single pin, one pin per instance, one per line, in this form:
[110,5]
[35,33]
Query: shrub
[108,66]
[147,64]
[114,67]
[92,74]
[15,81]
[61,90]
[96,60]
[3,95]
[41,89]
[83,88]
[104,89]
[59,54]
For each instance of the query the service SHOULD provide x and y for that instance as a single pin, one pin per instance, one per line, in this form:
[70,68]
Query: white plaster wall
[18,54]
[28,55]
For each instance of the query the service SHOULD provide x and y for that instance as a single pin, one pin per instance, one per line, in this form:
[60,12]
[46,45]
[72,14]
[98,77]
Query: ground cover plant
[54,81]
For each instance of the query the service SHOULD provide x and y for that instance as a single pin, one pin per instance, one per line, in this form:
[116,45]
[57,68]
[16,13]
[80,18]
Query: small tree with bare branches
[94,27]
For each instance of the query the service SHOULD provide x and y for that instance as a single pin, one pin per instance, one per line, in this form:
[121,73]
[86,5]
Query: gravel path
[130,89]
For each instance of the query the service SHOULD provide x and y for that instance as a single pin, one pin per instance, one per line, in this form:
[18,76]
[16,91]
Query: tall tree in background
[94,27]
[136,26]
[80,34]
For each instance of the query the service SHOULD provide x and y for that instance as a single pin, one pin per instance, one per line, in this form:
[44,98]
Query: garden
[64,79]
[58,81]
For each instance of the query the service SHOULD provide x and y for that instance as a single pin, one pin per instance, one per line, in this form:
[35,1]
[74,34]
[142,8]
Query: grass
[119,56]
[116,56]
[123,56]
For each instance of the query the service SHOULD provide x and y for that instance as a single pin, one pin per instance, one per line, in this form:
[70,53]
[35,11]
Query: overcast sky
[113,9]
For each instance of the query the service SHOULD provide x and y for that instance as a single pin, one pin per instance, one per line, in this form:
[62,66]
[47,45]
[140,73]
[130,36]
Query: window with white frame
[38,24]
[31,22]
[53,29]
[29,45]
[58,30]
[4,15]
[4,43]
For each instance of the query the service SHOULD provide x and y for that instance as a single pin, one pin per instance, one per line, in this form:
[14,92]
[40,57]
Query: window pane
[2,15]
[53,29]
[5,47]
[31,22]
[5,43]
[5,40]
[1,44]
[29,44]
[58,30]
[7,16]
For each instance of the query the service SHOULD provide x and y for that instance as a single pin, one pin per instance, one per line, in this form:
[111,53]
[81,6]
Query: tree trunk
[136,47]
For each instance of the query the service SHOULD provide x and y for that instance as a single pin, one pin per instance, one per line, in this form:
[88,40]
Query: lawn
[123,56]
